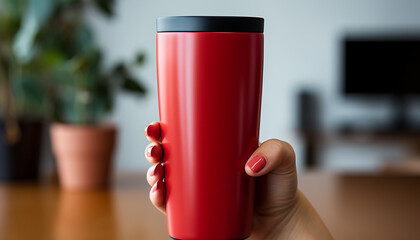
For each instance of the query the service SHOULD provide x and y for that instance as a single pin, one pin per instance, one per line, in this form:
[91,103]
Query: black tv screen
[378,65]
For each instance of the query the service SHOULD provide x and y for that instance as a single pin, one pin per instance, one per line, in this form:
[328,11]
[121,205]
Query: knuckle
[285,151]
[276,145]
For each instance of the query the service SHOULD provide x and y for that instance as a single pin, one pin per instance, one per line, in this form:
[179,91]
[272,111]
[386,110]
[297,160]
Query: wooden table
[353,207]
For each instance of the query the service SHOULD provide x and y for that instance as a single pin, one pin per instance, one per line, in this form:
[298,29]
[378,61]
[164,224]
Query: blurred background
[341,84]
[304,56]
[310,82]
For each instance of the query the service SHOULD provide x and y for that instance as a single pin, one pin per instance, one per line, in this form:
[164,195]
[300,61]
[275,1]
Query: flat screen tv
[381,65]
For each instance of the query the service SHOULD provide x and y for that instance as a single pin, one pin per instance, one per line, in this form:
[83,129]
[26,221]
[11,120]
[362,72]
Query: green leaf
[140,58]
[133,86]
[104,93]
[119,69]
[12,8]
[105,6]
[84,38]
[52,59]
[30,94]
[65,2]
[37,13]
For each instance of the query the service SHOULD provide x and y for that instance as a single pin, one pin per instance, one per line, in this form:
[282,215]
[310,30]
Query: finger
[155,173]
[152,131]
[154,152]
[157,196]
[273,156]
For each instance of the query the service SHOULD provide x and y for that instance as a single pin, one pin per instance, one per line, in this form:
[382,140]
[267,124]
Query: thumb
[276,190]
[274,156]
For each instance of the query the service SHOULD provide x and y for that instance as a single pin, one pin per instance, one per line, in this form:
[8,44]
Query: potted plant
[23,103]
[80,89]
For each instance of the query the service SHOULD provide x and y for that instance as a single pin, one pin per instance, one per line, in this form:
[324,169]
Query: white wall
[301,50]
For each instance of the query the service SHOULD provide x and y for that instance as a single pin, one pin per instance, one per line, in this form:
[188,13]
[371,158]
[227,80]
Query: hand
[281,210]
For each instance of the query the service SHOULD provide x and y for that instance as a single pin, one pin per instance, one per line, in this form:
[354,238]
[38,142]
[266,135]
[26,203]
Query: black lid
[210,24]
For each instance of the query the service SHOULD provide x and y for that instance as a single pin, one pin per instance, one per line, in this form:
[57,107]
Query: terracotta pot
[84,154]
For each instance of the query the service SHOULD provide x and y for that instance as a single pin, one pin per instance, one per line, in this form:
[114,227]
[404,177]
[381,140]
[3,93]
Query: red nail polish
[257,163]
[149,151]
[154,152]
[152,131]
[154,188]
[159,185]
[156,171]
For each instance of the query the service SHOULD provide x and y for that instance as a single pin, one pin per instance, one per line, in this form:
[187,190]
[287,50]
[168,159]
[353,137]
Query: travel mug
[209,86]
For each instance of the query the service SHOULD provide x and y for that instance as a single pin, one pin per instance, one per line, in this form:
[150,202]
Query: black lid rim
[210,24]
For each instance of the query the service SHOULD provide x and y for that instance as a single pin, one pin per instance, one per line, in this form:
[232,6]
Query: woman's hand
[281,210]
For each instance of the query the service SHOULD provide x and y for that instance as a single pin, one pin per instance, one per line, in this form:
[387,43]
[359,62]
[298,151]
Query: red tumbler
[209,83]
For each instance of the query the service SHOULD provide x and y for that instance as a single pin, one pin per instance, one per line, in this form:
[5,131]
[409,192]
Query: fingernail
[149,151]
[152,151]
[257,163]
[152,131]
[154,188]
[157,170]
[157,186]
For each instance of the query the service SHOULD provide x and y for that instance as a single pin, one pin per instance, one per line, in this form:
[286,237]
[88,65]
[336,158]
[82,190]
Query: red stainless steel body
[209,104]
